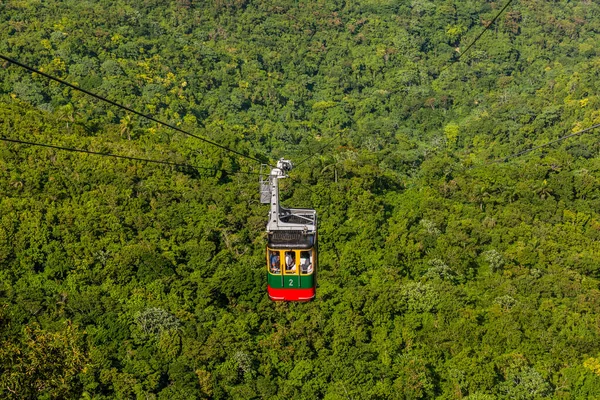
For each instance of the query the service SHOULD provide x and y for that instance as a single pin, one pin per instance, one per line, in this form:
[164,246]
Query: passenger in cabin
[305,264]
[290,261]
[275,268]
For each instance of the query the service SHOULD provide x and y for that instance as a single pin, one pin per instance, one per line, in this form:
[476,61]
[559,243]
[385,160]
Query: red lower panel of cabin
[291,294]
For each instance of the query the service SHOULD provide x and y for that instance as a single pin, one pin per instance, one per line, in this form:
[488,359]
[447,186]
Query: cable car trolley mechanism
[292,243]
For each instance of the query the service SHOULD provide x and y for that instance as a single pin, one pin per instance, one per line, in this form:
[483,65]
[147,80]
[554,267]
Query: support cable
[96,153]
[478,36]
[578,133]
[149,117]
[320,150]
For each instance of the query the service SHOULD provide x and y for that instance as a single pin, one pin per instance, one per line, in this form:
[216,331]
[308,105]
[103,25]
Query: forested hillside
[446,270]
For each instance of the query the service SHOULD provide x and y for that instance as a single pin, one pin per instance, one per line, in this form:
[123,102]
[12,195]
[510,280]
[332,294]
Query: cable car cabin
[292,264]
[292,244]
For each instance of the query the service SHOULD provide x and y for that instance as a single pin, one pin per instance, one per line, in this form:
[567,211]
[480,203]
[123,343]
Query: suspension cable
[478,36]
[149,117]
[320,150]
[560,139]
[96,153]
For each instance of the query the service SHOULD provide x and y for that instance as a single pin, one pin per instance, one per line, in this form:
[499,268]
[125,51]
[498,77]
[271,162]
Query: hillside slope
[442,274]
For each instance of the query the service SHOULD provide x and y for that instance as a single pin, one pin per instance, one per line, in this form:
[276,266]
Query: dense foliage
[442,274]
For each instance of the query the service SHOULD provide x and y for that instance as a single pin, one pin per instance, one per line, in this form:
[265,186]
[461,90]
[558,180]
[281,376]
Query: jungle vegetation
[444,271]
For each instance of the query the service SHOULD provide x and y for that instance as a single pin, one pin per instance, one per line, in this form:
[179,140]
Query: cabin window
[306,262]
[274,262]
[290,262]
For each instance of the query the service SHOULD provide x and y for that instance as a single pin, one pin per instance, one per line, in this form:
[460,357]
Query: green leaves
[440,273]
